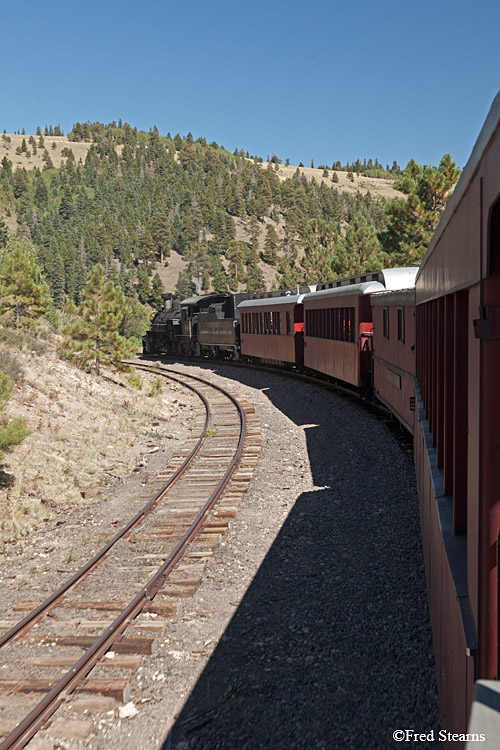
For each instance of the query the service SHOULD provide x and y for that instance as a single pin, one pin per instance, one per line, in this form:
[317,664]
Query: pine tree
[19,182]
[320,240]
[271,244]
[360,251]
[12,431]
[143,288]
[136,321]
[146,249]
[157,290]
[236,256]
[24,296]
[94,341]
[412,221]
[184,287]
[4,233]
[160,230]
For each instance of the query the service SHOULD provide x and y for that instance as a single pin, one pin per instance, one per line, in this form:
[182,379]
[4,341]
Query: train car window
[385,313]
[288,324]
[401,324]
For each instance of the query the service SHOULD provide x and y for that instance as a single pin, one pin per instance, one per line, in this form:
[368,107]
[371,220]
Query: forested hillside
[135,202]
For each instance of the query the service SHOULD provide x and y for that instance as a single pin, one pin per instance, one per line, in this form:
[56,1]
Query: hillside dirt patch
[79,150]
[87,433]
[378,187]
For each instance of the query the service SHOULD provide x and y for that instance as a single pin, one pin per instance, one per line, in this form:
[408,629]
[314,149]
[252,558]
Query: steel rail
[27,622]
[24,732]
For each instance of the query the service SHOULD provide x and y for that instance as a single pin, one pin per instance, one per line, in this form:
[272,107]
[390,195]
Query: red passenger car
[272,329]
[338,324]
[394,353]
[338,330]
[457,441]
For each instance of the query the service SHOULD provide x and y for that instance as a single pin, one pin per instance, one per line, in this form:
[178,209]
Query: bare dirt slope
[35,160]
[379,188]
[86,433]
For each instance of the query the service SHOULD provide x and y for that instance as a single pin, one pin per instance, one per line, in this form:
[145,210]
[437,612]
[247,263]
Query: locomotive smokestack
[167,301]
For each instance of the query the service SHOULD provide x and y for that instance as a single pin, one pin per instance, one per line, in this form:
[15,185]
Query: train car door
[298,333]
[365,336]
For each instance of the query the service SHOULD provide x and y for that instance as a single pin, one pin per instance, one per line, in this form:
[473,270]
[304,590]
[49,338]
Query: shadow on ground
[330,647]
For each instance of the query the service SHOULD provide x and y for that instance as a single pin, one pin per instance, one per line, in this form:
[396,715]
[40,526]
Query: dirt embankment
[86,432]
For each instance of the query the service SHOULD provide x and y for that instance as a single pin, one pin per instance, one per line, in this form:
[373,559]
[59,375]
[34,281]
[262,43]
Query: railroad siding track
[40,655]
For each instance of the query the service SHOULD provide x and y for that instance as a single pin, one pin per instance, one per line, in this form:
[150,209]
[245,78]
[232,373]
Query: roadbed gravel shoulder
[310,628]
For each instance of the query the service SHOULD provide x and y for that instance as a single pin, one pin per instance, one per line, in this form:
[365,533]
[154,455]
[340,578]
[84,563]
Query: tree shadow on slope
[330,646]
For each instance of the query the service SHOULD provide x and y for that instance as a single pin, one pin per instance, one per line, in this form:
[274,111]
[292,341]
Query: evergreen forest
[138,196]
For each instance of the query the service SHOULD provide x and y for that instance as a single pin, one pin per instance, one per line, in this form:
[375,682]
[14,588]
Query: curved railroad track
[167,543]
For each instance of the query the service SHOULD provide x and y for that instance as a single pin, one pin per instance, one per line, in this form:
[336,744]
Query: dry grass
[86,433]
[35,160]
[379,188]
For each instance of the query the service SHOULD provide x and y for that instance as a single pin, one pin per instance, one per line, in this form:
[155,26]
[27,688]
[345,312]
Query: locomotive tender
[429,345]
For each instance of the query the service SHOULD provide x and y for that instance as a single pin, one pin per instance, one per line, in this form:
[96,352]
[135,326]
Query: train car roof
[287,299]
[195,300]
[366,287]
[488,131]
[390,278]
[399,278]
[396,298]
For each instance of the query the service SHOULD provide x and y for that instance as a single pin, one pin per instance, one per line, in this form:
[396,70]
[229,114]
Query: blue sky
[322,80]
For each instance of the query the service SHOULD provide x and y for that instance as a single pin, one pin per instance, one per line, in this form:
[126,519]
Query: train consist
[426,343]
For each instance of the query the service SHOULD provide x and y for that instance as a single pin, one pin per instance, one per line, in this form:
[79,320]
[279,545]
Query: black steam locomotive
[198,326]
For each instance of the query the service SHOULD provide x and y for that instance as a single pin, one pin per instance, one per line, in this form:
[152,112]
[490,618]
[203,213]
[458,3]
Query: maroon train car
[457,439]
[272,329]
[394,353]
[338,324]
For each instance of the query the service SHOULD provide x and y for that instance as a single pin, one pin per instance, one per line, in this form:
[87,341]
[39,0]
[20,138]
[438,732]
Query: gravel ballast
[331,645]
